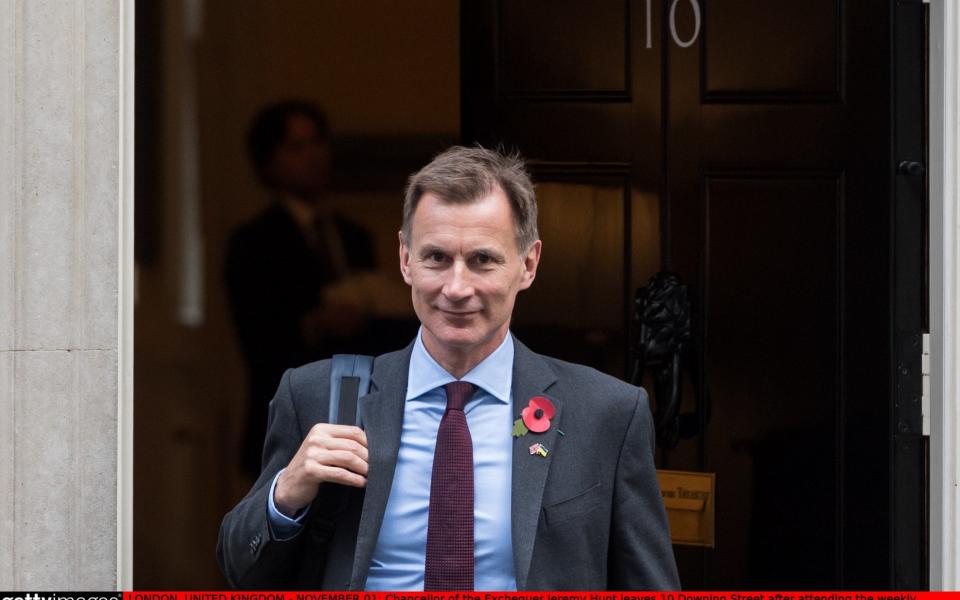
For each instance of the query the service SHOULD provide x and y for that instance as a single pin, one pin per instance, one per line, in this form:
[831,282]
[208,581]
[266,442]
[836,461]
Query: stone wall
[60,167]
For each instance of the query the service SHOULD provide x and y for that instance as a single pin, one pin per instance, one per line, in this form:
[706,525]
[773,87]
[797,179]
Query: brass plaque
[689,498]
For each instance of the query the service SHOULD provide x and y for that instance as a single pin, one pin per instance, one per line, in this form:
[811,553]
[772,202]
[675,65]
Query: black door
[748,146]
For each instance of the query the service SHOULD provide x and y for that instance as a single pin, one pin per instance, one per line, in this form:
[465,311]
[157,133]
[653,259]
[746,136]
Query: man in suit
[279,263]
[480,464]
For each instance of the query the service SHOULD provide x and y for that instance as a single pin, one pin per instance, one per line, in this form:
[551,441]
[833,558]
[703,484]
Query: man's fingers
[344,459]
[328,430]
[338,475]
[320,441]
[322,457]
[348,445]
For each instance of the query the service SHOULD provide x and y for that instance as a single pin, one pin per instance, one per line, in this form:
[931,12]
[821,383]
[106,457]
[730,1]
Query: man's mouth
[458,313]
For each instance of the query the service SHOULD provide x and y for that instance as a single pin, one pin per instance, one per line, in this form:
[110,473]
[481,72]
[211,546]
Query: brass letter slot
[689,499]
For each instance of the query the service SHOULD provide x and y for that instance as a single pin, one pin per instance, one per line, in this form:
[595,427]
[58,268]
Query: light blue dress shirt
[398,558]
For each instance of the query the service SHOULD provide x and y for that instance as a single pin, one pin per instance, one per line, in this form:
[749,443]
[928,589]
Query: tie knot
[458,393]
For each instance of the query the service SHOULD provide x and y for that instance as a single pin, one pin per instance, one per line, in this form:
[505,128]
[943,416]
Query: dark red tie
[449,564]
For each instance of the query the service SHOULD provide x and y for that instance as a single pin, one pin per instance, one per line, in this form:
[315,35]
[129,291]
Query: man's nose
[458,285]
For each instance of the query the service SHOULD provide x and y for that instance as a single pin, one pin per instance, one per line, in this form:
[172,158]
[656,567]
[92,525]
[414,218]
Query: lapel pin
[519,428]
[536,416]
[538,448]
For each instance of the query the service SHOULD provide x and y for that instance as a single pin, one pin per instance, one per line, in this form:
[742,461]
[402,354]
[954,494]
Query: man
[481,465]
[279,263]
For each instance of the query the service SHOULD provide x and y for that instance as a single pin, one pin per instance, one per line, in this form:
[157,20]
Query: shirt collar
[494,373]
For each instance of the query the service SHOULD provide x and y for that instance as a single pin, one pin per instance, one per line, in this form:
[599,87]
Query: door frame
[125,296]
[944,128]
[944,268]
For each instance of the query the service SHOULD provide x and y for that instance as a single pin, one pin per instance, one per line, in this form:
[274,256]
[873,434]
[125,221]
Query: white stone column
[65,262]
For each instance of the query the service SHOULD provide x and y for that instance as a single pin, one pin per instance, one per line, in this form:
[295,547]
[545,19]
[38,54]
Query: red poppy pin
[535,417]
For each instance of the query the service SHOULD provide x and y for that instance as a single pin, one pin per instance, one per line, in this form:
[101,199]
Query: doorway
[745,147]
[778,148]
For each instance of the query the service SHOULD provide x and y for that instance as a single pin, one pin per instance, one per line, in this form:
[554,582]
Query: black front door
[747,146]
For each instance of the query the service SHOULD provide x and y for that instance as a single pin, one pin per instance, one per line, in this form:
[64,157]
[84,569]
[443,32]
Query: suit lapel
[531,377]
[382,413]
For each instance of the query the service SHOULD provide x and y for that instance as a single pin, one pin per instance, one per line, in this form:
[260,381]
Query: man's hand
[334,453]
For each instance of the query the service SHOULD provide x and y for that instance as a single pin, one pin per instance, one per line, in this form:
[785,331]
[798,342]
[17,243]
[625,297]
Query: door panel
[770,288]
[756,50]
[545,62]
[814,350]
[582,223]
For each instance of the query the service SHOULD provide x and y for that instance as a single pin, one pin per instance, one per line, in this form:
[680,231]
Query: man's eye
[484,259]
[437,257]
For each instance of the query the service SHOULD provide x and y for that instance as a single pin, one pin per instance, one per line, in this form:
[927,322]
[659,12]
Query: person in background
[280,263]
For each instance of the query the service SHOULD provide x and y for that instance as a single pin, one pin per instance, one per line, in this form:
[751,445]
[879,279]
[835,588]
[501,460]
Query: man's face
[465,270]
[301,163]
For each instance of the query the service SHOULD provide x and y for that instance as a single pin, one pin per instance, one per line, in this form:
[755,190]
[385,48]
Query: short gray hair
[461,175]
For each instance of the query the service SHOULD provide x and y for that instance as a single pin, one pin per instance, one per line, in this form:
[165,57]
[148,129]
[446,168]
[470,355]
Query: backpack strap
[349,380]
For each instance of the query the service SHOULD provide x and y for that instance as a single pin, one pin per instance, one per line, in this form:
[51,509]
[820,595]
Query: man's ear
[530,261]
[404,258]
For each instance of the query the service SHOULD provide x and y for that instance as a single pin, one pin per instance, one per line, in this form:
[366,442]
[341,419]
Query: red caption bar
[824,595]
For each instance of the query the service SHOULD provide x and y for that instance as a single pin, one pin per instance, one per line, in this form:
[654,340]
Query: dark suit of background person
[275,277]
[278,263]
[587,515]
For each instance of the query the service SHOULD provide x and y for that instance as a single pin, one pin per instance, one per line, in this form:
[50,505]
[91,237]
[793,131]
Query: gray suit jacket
[587,516]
